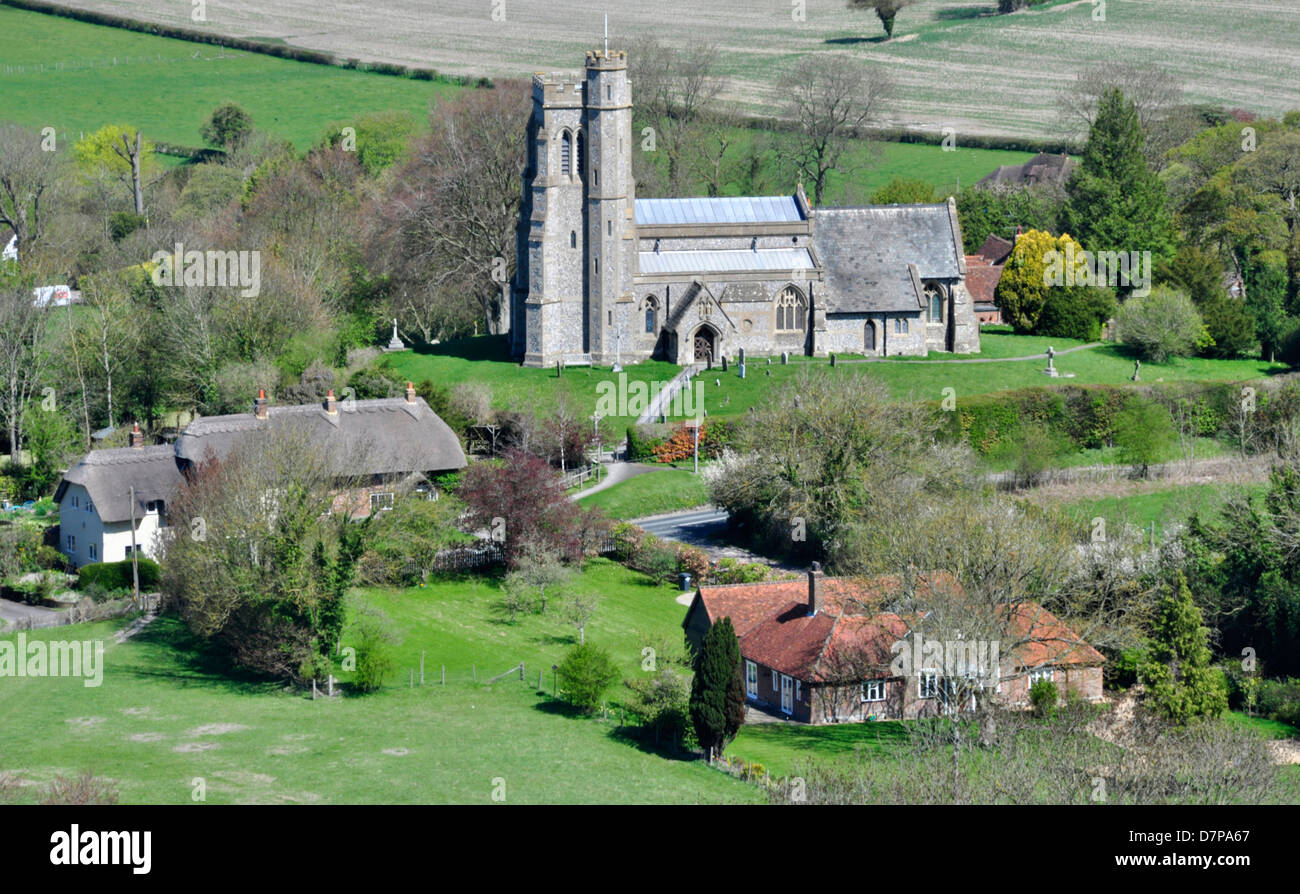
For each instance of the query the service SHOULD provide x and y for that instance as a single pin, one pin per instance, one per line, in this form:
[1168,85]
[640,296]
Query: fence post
[521,671]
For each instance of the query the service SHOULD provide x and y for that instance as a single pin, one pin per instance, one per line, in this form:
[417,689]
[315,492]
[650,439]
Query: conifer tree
[718,690]
[1116,201]
[1181,683]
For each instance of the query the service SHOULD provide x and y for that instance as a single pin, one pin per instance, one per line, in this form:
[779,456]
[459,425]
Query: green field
[651,493]
[165,715]
[77,77]
[958,65]
[1166,507]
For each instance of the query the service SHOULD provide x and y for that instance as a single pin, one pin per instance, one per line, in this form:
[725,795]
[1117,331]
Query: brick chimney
[331,405]
[815,576]
[259,405]
[410,392]
[137,436]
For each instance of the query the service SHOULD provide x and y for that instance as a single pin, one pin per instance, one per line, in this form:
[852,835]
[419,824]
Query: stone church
[604,277]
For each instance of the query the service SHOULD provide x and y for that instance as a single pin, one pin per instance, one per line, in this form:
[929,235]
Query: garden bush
[585,673]
[117,575]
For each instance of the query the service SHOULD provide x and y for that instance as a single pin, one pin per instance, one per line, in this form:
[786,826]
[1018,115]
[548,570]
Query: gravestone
[832,361]
[724,362]
[785,358]
[1136,365]
[395,343]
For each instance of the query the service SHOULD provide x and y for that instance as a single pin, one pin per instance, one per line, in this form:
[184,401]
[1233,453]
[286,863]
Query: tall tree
[1116,202]
[830,101]
[1182,684]
[118,152]
[24,352]
[228,126]
[717,702]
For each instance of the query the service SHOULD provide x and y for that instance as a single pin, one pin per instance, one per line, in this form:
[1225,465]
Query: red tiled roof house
[814,652]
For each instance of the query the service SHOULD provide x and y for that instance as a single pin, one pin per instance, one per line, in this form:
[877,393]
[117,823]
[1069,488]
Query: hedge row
[297,54]
[1085,414]
[117,575]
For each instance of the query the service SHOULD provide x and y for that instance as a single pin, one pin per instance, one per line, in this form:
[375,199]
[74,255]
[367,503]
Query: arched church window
[934,302]
[582,153]
[791,310]
[566,154]
[651,314]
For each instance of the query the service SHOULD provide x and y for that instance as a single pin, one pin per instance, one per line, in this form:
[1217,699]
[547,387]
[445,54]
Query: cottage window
[787,694]
[927,684]
[90,505]
[775,684]
[381,502]
[70,543]
[93,551]
[751,679]
[1040,675]
[791,310]
[873,691]
[76,501]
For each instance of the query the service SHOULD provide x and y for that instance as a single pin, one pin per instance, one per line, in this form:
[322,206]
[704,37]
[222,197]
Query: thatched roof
[364,437]
[109,475]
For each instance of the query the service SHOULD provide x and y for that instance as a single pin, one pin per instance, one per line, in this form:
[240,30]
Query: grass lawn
[918,379]
[515,387]
[782,746]
[92,75]
[1166,506]
[164,715]
[1270,729]
[663,490]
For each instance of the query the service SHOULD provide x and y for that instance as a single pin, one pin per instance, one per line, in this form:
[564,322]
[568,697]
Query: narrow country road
[17,614]
[612,474]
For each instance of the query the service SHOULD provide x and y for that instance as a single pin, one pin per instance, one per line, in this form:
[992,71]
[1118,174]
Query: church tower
[610,193]
[575,246]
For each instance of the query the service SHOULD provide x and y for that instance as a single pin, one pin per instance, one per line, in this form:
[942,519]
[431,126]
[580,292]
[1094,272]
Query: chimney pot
[815,588]
[410,392]
[331,405]
[259,405]
[137,436]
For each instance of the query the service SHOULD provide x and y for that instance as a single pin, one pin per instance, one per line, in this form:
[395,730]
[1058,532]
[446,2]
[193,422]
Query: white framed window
[76,501]
[751,679]
[70,543]
[873,691]
[90,505]
[787,694]
[1036,676]
[927,683]
[381,502]
[93,551]
[776,686]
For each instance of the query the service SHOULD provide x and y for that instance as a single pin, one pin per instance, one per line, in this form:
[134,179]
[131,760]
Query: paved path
[614,473]
[18,613]
[686,526]
[659,404]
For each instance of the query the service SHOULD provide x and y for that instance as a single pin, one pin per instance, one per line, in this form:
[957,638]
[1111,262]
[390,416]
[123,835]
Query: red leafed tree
[522,500]
[680,446]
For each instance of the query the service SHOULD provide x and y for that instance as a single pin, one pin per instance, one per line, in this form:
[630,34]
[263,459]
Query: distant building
[814,652]
[983,273]
[1042,168]
[389,445]
[603,276]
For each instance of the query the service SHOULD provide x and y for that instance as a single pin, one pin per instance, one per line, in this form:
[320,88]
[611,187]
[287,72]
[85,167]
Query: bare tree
[1155,94]
[28,175]
[447,224]
[830,101]
[24,353]
[885,10]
